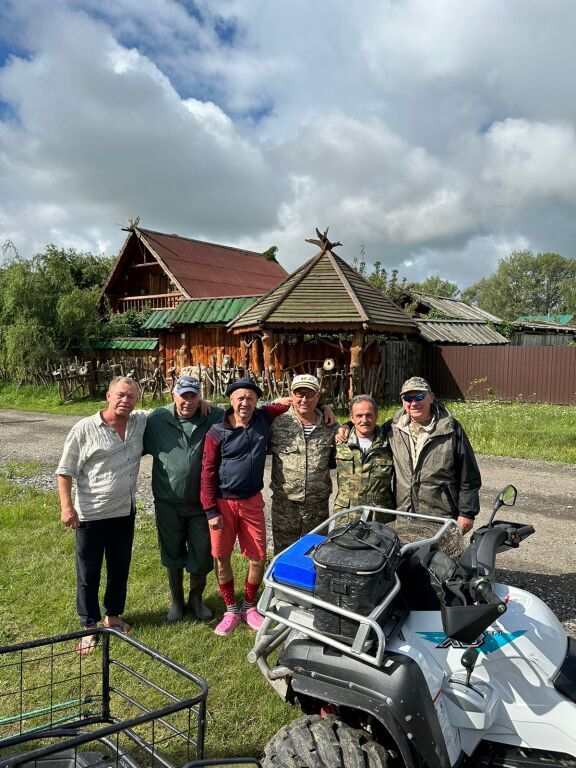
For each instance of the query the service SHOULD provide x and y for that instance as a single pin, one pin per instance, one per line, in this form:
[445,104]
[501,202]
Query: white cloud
[437,135]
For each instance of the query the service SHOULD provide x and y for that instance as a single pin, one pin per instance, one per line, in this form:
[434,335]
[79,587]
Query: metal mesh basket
[122,705]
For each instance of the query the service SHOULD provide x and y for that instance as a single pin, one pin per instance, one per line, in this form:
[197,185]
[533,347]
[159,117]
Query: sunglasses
[410,398]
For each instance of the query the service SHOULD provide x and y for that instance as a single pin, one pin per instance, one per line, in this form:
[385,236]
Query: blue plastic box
[295,566]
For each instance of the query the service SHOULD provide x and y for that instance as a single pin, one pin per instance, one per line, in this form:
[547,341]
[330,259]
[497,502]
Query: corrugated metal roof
[534,326]
[554,319]
[325,291]
[459,332]
[199,311]
[126,344]
[158,318]
[205,270]
[454,308]
[202,311]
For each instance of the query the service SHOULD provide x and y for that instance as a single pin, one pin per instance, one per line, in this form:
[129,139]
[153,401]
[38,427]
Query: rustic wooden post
[183,357]
[255,357]
[268,350]
[356,360]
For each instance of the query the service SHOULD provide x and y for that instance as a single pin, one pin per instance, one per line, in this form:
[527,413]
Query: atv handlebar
[485,594]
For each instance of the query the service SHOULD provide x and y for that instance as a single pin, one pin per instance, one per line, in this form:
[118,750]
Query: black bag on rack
[355,570]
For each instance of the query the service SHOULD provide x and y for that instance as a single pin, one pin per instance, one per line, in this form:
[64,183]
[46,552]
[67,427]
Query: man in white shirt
[102,453]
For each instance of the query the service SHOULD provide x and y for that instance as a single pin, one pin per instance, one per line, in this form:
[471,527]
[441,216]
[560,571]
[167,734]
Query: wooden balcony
[149,301]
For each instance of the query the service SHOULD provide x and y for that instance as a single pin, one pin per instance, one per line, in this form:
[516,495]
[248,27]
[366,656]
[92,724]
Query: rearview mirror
[507,496]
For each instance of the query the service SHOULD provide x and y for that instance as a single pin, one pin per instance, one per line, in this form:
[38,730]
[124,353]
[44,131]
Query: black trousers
[97,540]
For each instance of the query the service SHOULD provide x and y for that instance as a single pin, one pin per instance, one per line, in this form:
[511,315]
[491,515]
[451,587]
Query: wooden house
[158,271]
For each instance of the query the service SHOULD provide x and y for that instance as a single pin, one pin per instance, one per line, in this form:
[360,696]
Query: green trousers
[183,538]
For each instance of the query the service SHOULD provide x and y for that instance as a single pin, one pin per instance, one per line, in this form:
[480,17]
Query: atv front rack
[289,609]
[122,706]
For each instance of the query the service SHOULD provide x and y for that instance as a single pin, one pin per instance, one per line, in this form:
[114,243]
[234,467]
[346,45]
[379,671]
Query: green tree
[270,253]
[388,283]
[48,305]
[126,324]
[526,284]
[436,286]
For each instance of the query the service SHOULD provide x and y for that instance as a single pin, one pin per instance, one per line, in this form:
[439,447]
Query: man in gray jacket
[431,450]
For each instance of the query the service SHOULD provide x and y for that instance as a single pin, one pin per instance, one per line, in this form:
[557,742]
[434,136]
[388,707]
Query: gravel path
[544,564]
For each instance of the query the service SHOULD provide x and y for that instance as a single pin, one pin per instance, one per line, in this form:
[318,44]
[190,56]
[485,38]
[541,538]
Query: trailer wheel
[322,742]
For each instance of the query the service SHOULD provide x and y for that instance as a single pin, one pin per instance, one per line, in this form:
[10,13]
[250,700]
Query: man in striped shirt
[102,453]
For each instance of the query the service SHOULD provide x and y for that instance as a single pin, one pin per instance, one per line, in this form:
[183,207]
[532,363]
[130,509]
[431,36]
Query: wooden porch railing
[150,301]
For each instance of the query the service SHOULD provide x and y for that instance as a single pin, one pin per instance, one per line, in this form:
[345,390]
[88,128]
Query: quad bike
[122,706]
[449,668]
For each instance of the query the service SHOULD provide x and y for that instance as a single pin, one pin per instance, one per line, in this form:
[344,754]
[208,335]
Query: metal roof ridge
[202,242]
[468,321]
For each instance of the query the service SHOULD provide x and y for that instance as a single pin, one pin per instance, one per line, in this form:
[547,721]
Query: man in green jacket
[174,437]
[364,462]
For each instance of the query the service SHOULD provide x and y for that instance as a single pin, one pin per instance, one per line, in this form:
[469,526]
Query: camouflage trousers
[293,519]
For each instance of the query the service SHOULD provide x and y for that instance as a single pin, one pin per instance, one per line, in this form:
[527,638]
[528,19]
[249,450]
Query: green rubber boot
[175,582]
[195,606]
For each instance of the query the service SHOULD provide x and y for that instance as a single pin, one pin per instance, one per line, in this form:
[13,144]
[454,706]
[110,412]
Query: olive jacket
[445,457]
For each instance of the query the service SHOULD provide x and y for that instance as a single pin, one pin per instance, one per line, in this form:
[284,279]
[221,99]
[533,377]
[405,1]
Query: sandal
[87,644]
[119,626]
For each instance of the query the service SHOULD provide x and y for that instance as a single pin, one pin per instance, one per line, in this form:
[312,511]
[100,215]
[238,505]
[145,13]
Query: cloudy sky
[439,135]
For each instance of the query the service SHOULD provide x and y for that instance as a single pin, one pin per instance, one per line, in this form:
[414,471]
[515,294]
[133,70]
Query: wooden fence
[531,374]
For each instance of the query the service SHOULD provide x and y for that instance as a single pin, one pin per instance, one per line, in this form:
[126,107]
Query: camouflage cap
[305,381]
[415,384]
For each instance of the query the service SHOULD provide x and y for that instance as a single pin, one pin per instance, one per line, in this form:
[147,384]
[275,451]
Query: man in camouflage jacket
[302,448]
[364,462]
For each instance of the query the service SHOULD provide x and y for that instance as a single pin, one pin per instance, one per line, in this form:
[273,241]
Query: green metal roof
[158,318]
[325,291]
[200,311]
[556,319]
[126,344]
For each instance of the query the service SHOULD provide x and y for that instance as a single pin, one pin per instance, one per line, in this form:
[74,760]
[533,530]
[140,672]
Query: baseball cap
[305,381]
[187,384]
[415,384]
[244,383]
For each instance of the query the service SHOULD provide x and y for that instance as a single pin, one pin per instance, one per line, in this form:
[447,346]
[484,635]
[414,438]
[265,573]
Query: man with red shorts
[230,492]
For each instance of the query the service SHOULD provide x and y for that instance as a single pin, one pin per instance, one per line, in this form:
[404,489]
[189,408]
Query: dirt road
[545,564]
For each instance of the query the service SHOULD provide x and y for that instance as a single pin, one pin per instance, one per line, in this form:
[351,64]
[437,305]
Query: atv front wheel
[322,742]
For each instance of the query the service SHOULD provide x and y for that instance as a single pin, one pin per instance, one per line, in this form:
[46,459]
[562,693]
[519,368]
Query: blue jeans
[95,540]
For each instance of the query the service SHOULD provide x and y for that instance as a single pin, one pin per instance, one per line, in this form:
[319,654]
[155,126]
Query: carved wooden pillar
[183,357]
[281,359]
[269,355]
[356,362]
[256,356]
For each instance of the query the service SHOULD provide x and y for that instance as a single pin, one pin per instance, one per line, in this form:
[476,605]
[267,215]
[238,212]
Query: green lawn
[521,430]
[37,580]
[37,584]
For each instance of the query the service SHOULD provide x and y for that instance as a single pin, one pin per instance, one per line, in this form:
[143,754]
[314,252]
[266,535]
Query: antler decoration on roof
[323,241]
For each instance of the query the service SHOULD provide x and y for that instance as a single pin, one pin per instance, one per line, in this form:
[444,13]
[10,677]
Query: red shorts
[242,519]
